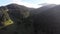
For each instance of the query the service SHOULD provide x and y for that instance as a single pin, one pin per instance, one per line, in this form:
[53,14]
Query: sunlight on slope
[8,22]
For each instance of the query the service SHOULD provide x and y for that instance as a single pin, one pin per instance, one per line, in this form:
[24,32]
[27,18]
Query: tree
[5,16]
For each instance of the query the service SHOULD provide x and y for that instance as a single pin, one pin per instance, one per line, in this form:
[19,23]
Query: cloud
[31,3]
[15,1]
[35,5]
[25,3]
[53,1]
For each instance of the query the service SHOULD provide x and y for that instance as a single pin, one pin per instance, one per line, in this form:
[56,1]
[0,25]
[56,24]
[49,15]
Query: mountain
[43,8]
[20,16]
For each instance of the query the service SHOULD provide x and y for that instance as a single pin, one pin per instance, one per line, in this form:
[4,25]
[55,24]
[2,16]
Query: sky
[29,3]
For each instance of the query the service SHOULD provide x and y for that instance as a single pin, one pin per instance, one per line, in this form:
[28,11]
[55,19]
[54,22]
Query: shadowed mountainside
[22,17]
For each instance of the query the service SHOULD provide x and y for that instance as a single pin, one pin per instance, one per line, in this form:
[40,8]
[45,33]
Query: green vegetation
[7,22]
[17,18]
[5,17]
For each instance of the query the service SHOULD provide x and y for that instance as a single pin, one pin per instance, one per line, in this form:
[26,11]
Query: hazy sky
[29,3]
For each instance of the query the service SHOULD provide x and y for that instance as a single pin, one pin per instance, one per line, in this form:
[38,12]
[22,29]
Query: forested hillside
[15,19]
